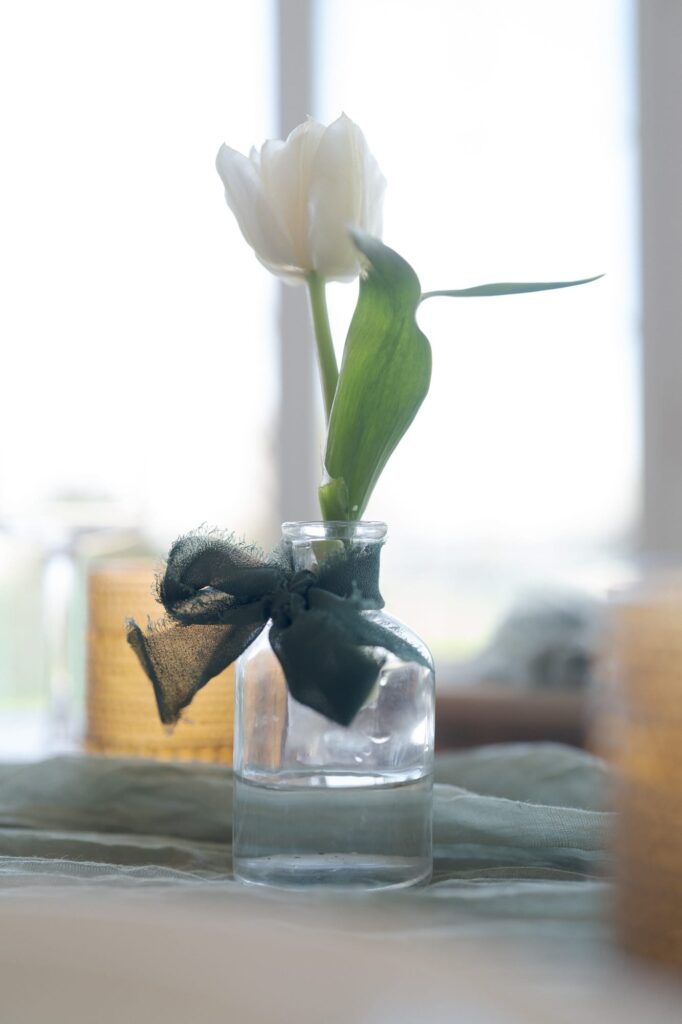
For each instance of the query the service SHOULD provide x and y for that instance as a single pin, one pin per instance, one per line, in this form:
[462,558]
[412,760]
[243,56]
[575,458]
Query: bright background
[140,383]
[508,133]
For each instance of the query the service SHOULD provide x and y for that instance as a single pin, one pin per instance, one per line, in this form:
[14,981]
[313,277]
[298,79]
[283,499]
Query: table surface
[116,891]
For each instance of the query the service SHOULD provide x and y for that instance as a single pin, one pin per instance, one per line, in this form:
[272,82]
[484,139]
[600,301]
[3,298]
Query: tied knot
[289,600]
[219,594]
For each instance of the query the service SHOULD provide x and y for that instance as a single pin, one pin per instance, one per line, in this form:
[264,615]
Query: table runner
[105,861]
[520,832]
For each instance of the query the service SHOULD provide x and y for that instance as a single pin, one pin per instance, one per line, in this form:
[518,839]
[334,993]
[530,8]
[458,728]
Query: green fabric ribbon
[219,594]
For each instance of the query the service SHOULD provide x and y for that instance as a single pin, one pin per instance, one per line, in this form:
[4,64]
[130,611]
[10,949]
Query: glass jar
[317,803]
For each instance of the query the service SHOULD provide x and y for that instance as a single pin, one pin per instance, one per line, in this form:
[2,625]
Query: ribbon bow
[219,594]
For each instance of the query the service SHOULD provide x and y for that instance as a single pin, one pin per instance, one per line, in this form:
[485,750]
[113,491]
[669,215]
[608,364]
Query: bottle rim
[357,530]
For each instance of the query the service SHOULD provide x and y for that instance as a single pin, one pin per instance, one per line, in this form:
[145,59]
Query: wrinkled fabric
[219,594]
[116,856]
[101,821]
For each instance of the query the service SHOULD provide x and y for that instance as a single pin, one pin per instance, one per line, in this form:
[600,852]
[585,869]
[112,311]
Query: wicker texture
[646,748]
[122,717]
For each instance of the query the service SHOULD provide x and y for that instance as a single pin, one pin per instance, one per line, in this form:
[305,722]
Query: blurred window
[138,335]
[139,342]
[141,365]
[507,133]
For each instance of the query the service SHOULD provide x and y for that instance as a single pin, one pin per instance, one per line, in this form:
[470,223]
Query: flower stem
[326,357]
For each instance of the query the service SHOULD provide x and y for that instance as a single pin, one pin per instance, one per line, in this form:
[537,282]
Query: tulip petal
[248,201]
[346,188]
[286,170]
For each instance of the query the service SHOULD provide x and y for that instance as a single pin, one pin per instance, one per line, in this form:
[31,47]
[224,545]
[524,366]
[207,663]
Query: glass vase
[317,803]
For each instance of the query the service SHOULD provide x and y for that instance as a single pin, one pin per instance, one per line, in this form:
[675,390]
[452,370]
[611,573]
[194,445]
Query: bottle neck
[350,551]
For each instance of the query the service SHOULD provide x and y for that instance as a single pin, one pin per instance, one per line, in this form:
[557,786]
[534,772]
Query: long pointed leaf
[384,378]
[508,288]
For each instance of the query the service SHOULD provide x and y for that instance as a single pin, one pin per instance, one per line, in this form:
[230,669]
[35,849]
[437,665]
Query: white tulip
[295,200]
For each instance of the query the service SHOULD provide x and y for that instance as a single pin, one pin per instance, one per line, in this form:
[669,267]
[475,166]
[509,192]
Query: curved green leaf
[508,288]
[384,378]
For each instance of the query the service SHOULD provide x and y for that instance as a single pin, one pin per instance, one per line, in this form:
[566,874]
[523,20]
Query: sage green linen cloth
[116,891]
[520,831]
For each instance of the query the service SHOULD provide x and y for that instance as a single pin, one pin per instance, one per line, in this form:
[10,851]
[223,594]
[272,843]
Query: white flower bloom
[295,200]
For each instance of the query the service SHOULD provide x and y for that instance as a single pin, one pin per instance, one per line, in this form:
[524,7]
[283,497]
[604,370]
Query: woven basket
[122,717]
[646,750]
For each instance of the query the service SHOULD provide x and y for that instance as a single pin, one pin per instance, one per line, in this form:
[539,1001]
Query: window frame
[660,137]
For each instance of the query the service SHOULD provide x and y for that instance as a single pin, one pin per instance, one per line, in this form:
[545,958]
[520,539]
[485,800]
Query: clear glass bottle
[316,803]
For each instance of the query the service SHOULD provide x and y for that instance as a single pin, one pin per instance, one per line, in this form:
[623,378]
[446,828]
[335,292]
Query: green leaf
[508,288]
[384,378]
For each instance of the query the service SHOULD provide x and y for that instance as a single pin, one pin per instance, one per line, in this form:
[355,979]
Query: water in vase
[346,830]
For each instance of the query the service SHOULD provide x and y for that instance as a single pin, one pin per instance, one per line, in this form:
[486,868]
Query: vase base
[333,871]
[337,830]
